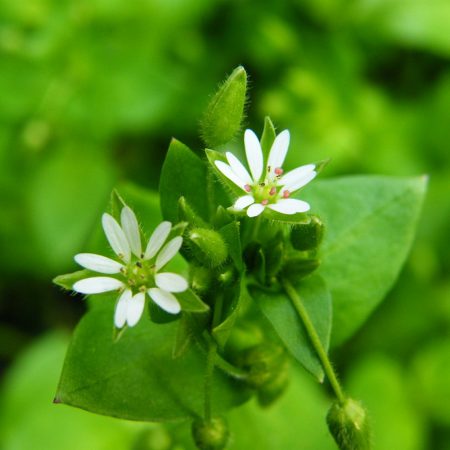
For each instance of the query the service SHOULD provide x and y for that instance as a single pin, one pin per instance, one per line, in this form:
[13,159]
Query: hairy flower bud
[349,425]
[208,246]
[210,434]
[263,363]
[200,277]
[308,236]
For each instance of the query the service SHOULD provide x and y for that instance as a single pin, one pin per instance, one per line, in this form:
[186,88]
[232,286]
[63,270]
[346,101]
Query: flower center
[139,275]
[268,191]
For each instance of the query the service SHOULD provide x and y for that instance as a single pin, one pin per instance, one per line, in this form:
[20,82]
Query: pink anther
[273,191]
[278,171]
[264,202]
[248,188]
[286,194]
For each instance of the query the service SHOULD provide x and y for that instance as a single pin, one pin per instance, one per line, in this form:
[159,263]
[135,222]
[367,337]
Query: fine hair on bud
[349,425]
[208,246]
[308,236]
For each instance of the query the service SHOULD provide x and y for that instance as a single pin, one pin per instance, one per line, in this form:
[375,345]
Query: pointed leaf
[278,309]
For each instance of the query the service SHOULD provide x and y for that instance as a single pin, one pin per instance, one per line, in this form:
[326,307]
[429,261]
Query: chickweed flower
[267,185]
[135,272]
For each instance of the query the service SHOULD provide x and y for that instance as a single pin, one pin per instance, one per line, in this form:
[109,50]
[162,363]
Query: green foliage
[135,377]
[370,226]
[280,312]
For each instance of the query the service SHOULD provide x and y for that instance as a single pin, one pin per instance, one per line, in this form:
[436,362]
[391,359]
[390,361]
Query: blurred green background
[91,92]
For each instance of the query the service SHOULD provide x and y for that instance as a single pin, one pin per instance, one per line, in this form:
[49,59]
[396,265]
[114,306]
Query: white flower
[267,185]
[137,271]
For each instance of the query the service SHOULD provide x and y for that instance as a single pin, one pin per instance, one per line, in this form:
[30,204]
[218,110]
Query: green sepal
[191,302]
[159,316]
[231,235]
[116,204]
[223,116]
[268,137]
[232,188]
[222,217]
[297,266]
[285,219]
[67,280]
[183,174]
[208,246]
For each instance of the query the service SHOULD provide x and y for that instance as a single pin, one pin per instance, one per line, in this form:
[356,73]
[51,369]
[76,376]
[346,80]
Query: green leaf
[183,174]
[223,116]
[191,302]
[136,377]
[280,312]
[231,235]
[370,223]
[67,280]
[268,137]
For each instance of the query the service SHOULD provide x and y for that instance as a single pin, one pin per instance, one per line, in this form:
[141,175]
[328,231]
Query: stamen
[273,191]
[262,184]
[264,202]
[286,194]
[138,263]
[278,171]
[248,188]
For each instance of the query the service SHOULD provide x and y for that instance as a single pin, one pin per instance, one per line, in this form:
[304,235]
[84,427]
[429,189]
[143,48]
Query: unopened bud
[200,278]
[308,236]
[349,425]
[227,277]
[210,434]
[208,246]
[263,363]
[273,390]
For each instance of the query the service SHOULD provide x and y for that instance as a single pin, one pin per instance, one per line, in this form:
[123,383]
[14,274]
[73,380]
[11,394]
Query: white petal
[255,210]
[238,168]
[96,285]
[290,206]
[168,252]
[120,314]
[229,173]
[157,239]
[131,229]
[165,300]
[297,174]
[171,282]
[116,237]
[135,308]
[98,263]
[278,151]
[301,182]
[243,202]
[254,154]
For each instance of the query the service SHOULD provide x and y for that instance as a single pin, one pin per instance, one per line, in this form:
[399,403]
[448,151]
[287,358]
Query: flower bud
[273,390]
[208,246]
[349,425]
[227,276]
[298,266]
[223,116]
[200,277]
[263,363]
[308,236]
[210,434]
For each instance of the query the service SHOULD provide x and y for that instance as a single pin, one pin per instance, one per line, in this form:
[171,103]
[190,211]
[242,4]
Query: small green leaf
[370,223]
[183,174]
[187,214]
[280,312]
[191,302]
[136,378]
[183,338]
[67,280]
[268,137]
[231,235]
[223,116]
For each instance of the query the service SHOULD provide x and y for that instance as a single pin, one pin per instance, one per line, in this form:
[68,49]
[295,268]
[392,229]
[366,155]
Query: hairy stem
[315,340]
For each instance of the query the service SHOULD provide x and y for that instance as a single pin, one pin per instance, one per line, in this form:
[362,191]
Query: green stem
[315,340]
[210,360]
